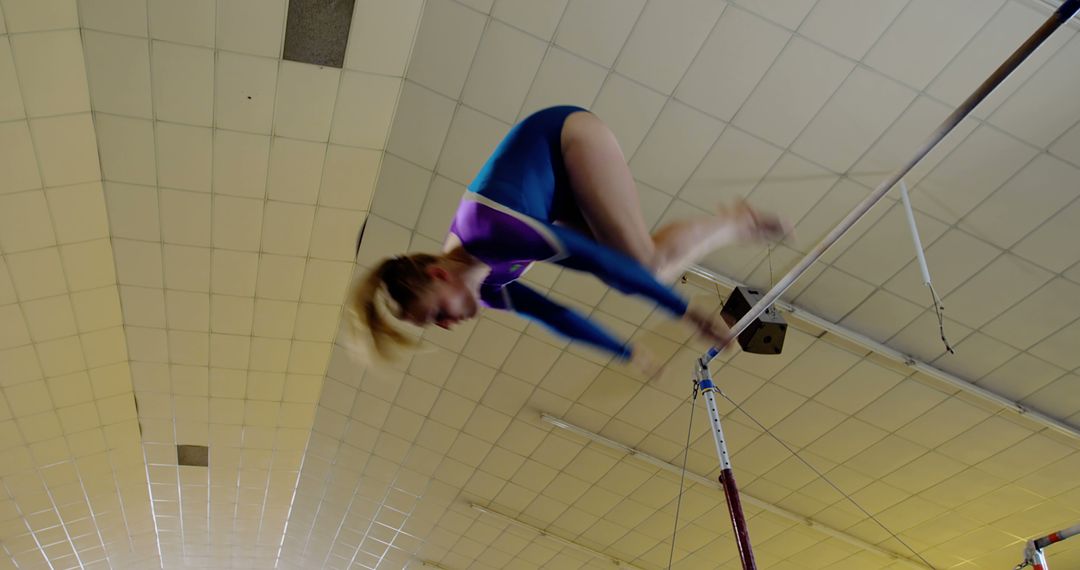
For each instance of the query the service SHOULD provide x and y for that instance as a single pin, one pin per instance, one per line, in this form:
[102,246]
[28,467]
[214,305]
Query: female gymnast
[557,189]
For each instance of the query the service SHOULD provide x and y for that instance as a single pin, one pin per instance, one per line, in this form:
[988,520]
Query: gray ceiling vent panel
[317,31]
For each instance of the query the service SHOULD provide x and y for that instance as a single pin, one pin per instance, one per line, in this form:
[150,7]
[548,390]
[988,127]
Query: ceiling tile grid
[227,188]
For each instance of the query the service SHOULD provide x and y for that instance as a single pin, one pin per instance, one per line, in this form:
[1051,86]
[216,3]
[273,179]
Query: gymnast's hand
[713,329]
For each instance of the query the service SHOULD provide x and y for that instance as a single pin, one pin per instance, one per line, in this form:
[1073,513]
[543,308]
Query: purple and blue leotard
[506,220]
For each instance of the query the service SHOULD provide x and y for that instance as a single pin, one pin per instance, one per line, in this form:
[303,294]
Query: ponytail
[403,279]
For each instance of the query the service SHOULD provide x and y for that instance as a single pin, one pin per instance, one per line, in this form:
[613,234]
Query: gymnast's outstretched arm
[563,320]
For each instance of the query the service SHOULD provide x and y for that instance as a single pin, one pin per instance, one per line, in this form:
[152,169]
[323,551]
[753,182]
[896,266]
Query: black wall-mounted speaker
[766,334]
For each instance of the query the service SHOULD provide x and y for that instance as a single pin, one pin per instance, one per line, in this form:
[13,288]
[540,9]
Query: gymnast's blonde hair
[381,297]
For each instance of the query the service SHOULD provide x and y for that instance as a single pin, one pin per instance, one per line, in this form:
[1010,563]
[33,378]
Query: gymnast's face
[445,303]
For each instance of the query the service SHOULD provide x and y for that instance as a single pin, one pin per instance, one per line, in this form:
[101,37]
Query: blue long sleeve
[615,268]
[562,320]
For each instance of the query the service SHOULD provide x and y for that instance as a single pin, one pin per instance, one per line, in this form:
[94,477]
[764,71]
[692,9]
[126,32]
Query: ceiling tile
[787,14]
[274,319]
[348,178]
[98,308]
[13,331]
[1037,315]
[325,282]
[505,64]
[539,19]
[365,110]
[184,156]
[126,17]
[881,315]
[231,315]
[445,46]
[857,387]
[422,120]
[1009,27]
[233,272]
[832,23]
[188,311]
[25,222]
[183,83]
[597,30]
[846,440]
[815,368]
[138,263]
[856,115]
[255,27]
[1066,147]
[1038,191]
[490,343]
[381,239]
[984,440]
[240,163]
[335,233]
[237,223]
[381,36]
[118,69]
[89,265]
[127,148]
[244,92]
[49,318]
[185,217]
[295,170]
[1060,348]
[78,212]
[1029,113]
[794,89]
[305,99]
[1002,283]
[907,133]
[974,170]
[187,268]
[30,16]
[674,146]
[738,52]
[439,206]
[924,36]
[11,105]
[664,40]
[628,109]
[280,277]
[469,142]
[37,274]
[52,73]
[563,79]
[903,403]
[287,228]
[186,22]
[18,160]
[401,189]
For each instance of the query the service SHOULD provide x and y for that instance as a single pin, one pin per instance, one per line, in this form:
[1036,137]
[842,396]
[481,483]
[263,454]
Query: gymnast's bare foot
[754,225]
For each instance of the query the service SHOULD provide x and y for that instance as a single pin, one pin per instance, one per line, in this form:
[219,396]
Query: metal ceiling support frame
[749,499]
[701,372]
